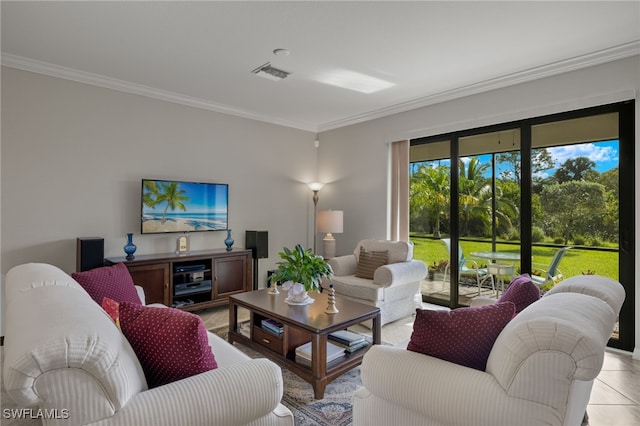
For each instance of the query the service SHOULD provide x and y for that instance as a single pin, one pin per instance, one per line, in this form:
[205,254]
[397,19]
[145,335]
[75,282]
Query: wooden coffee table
[301,324]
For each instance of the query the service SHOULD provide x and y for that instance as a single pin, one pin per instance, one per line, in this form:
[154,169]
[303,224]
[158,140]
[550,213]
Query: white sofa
[540,370]
[64,354]
[394,286]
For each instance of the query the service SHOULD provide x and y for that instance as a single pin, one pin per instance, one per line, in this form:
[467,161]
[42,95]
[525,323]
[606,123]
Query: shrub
[579,240]
[595,242]
[558,240]
[537,234]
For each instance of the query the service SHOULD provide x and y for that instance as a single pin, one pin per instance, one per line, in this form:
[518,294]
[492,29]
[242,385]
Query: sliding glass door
[540,196]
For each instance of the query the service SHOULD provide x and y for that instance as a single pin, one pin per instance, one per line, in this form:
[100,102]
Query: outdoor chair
[499,271]
[550,273]
[463,269]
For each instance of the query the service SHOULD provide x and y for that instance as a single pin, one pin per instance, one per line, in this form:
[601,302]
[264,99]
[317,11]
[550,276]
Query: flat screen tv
[177,206]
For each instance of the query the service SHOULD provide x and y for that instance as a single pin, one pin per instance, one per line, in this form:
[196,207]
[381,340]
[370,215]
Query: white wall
[73,156]
[356,157]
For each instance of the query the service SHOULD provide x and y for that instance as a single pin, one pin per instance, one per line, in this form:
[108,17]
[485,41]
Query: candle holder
[331,307]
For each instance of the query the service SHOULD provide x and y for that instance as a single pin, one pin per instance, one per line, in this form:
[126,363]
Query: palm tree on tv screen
[169,192]
[150,193]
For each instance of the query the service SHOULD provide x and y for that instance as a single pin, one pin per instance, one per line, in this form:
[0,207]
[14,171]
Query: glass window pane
[489,212]
[429,203]
[575,198]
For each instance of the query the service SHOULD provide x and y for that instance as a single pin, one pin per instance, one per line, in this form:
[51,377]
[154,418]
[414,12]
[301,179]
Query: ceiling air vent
[267,71]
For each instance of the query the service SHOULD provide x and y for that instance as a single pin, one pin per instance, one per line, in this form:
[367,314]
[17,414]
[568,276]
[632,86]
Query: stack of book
[349,340]
[303,353]
[272,325]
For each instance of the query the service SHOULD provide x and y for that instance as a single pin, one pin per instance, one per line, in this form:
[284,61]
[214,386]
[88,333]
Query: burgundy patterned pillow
[464,336]
[114,282]
[170,344]
[522,291]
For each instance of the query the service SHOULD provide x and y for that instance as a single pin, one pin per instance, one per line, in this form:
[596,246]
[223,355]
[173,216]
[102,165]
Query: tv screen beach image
[173,206]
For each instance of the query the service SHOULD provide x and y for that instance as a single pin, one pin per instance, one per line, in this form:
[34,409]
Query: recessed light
[281,52]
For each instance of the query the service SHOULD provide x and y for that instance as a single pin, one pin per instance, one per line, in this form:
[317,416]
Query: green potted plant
[300,271]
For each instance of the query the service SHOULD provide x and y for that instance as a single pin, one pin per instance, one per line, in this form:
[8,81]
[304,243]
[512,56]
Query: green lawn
[575,262]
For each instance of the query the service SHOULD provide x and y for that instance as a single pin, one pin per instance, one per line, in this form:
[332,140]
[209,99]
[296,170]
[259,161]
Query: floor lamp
[329,222]
[315,187]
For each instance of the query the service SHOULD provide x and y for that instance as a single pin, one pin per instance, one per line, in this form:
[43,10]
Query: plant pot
[297,294]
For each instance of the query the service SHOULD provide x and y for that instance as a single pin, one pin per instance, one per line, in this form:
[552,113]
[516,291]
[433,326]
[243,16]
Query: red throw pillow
[114,282]
[522,292]
[112,308]
[170,344]
[464,336]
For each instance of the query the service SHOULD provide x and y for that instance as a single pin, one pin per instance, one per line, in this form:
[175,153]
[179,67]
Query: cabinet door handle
[267,341]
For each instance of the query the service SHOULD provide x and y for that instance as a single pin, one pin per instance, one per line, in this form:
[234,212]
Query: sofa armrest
[399,273]
[208,398]
[556,340]
[141,295]
[343,265]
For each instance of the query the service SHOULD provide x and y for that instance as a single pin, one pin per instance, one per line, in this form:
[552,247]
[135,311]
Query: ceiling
[202,53]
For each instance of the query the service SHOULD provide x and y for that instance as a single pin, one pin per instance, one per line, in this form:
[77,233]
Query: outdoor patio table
[497,256]
[498,268]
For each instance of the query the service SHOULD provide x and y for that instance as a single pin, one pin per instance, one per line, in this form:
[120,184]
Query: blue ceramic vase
[228,241]
[130,248]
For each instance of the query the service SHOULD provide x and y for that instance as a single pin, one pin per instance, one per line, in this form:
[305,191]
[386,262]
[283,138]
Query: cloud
[594,152]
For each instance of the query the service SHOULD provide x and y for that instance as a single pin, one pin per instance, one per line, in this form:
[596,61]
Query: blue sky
[605,155]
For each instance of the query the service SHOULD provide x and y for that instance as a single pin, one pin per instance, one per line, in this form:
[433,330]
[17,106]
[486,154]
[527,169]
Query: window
[528,189]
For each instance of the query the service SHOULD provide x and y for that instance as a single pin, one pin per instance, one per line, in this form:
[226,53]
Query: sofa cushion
[114,282]
[369,261]
[170,344]
[522,291]
[463,336]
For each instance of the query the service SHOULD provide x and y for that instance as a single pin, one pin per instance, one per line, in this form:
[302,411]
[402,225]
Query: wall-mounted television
[178,206]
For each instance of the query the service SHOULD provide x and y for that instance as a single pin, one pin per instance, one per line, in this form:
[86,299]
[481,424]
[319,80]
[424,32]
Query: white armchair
[394,285]
[540,370]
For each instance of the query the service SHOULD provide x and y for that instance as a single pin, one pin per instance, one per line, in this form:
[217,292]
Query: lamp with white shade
[329,222]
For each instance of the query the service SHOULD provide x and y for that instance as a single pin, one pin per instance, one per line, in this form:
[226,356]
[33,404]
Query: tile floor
[615,397]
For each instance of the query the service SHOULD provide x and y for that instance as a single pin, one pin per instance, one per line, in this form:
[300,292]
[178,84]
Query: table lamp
[329,222]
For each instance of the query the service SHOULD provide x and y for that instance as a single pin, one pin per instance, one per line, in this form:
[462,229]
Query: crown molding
[601,57]
[607,55]
[45,68]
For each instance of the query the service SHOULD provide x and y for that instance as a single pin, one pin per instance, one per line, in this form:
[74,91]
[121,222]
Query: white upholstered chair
[394,286]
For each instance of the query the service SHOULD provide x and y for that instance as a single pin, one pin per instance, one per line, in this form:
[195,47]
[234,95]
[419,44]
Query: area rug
[334,409]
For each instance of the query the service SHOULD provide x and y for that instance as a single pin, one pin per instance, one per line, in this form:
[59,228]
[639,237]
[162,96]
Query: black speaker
[258,242]
[89,253]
